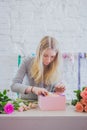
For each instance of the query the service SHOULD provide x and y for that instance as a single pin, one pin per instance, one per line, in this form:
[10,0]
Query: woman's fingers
[42,91]
[60,87]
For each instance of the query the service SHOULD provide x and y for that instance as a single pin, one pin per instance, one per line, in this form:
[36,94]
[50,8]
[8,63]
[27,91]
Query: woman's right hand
[40,91]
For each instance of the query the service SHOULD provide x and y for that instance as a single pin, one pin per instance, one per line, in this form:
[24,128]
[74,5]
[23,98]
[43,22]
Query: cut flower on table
[4,100]
[80,102]
[8,105]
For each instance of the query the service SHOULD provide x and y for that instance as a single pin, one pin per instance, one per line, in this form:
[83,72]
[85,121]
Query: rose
[79,107]
[80,102]
[84,94]
[86,108]
[8,108]
[21,108]
[83,101]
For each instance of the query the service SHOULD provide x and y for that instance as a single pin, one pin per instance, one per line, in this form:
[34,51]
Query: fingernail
[42,94]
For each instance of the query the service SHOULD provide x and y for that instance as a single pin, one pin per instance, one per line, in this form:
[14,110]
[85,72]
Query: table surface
[35,119]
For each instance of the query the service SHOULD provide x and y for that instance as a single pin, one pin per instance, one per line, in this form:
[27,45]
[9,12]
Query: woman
[42,71]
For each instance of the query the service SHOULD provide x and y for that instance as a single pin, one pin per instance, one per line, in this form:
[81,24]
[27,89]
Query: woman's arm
[17,85]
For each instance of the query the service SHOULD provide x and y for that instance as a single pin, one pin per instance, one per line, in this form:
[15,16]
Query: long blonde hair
[50,74]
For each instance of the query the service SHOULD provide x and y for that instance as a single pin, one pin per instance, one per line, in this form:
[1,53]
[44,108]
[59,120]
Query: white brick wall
[24,22]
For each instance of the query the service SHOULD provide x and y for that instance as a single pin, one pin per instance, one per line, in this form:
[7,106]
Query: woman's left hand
[60,88]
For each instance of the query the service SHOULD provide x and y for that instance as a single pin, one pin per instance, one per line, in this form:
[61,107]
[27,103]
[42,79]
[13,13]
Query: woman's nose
[49,59]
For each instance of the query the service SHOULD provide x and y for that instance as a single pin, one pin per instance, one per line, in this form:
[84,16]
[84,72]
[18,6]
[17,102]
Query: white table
[36,119]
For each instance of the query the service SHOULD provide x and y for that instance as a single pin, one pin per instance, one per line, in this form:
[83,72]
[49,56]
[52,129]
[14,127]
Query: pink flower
[21,108]
[83,101]
[86,108]
[79,107]
[8,108]
[84,94]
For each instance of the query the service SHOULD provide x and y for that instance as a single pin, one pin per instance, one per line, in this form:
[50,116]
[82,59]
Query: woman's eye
[52,56]
[45,55]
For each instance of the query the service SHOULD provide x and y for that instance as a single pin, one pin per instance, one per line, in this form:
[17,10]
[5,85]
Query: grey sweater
[18,84]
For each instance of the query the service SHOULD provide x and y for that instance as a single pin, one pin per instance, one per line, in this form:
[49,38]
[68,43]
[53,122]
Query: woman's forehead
[50,51]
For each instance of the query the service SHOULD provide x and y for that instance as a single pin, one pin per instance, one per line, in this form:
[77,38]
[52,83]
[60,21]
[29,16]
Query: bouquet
[7,105]
[80,102]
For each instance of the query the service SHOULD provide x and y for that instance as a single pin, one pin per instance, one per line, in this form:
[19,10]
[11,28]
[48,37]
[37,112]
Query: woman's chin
[46,64]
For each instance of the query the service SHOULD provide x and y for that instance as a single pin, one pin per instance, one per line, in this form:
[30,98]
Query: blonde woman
[43,71]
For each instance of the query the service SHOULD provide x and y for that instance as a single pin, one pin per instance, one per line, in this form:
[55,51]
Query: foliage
[3,100]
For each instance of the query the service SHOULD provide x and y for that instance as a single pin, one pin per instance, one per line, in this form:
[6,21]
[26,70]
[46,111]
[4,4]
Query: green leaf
[1,95]
[4,103]
[5,92]
[83,88]
[5,97]
[16,105]
[74,101]
[77,92]
[1,108]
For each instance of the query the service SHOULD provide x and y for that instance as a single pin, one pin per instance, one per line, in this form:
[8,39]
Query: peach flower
[84,94]
[83,101]
[79,107]
[20,109]
[86,108]
[85,89]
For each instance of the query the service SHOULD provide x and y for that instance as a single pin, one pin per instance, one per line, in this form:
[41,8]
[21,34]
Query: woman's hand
[60,88]
[40,91]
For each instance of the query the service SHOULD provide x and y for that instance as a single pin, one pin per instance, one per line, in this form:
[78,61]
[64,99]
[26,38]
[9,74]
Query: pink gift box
[57,102]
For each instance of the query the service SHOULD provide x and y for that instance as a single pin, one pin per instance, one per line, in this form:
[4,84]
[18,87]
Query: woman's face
[48,56]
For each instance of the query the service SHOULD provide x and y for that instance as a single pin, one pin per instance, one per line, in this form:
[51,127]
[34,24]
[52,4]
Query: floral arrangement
[80,102]
[5,105]
[8,106]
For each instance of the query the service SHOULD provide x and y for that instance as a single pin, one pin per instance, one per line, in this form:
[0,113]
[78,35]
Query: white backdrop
[24,22]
